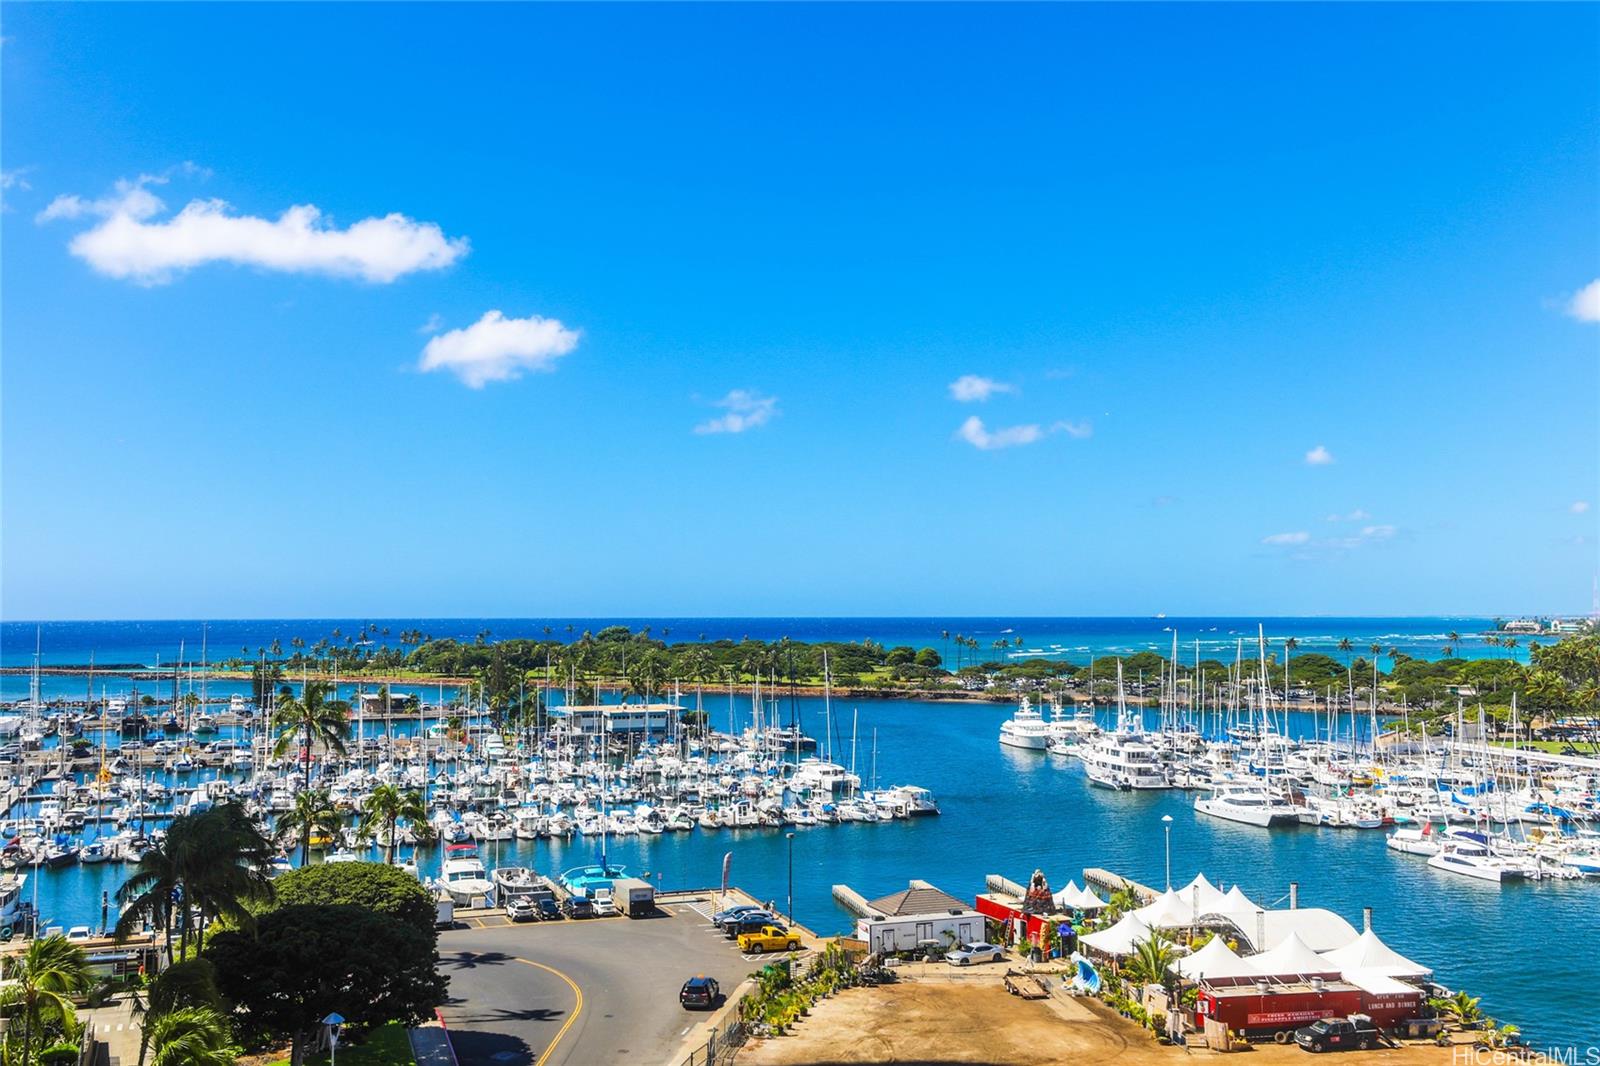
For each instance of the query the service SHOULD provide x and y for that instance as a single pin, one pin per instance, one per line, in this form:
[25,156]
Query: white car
[604,905]
[967,954]
[80,932]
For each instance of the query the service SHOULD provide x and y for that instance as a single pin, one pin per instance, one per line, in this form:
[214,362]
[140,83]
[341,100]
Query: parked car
[604,905]
[80,932]
[579,907]
[549,909]
[699,993]
[522,909]
[750,923]
[1338,1034]
[967,954]
[722,917]
[768,938]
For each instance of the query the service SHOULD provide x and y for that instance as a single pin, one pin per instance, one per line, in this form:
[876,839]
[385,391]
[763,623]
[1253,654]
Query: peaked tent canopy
[1292,958]
[1205,897]
[1169,911]
[1216,962]
[1366,952]
[1120,938]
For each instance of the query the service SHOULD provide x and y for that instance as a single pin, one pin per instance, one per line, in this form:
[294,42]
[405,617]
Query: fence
[725,1040]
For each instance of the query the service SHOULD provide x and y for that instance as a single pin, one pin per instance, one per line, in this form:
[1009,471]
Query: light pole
[1166,824]
[790,838]
[333,1021]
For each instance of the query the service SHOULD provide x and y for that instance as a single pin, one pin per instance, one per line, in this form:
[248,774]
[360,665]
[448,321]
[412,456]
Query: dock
[1110,882]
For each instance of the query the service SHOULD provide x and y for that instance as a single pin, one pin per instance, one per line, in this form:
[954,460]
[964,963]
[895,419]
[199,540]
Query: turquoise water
[1529,949]
[150,643]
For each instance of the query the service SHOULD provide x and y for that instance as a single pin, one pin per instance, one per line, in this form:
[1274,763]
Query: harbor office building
[916,918]
[641,720]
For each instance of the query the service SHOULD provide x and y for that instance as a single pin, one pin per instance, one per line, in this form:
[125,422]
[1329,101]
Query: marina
[669,808]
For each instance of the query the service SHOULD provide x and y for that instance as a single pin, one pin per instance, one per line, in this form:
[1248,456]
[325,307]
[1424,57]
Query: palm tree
[383,808]
[190,1036]
[213,863]
[1150,961]
[1345,646]
[312,719]
[1459,1008]
[41,986]
[312,810]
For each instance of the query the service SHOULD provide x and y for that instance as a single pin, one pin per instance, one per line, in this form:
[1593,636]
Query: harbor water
[1527,948]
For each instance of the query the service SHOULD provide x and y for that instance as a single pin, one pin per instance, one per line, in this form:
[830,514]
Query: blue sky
[741,258]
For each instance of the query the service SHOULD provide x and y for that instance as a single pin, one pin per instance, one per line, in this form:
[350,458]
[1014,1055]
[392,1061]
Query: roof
[1379,984]
[1369,954]
[1205,896]
[1215,962]
[1292,958]
[1120,938]
[920,898]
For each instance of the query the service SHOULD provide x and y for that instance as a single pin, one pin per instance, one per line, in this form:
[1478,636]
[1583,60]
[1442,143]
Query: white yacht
[1472,858]
[1025,729]
[1414,841]
[1249,804]
[1123,761]
[464,877]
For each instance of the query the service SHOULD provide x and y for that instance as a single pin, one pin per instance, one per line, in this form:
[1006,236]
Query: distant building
[1522,625]
[917,916]
[624,719]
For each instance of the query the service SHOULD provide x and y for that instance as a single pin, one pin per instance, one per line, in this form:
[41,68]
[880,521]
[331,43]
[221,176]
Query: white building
[915,916]
[624,719]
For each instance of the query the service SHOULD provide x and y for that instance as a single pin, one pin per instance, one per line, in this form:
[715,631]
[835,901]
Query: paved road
[577,993]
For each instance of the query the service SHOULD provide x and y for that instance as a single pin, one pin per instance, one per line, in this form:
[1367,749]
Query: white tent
[1237,900]
[1366,952]
[1205,897]
[1169,911]
[1074,898]
[1293,958]
[1217,962]
[1068,897]
[1120,938]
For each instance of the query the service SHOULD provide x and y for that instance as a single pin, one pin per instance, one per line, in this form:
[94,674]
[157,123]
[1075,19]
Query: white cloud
[1585,306]
[434,324]
[1075,430]
[970,388]
[973,432]
[129,197]
[1319,456]
[1358,515]
[1299,536]
[1579,507]
[1378,532]
[497,348]
[127,243]
[746,409]
[12,179]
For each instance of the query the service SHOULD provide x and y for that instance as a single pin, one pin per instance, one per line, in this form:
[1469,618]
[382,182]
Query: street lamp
[333,1021]
[1166,824]
[790,838]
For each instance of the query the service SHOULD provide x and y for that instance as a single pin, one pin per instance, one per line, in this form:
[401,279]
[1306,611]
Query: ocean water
[1528,950]
[150,643]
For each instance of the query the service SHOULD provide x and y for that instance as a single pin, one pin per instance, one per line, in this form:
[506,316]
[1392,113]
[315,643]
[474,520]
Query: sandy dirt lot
[937,1023]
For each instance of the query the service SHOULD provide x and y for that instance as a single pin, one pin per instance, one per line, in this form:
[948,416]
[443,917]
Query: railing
[723,1042]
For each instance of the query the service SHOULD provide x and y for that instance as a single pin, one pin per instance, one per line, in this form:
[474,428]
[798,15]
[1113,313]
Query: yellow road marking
[576,1010]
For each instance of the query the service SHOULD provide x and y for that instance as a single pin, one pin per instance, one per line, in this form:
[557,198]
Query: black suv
[752,922]
[699,993]
[1338,1034]
[579,907]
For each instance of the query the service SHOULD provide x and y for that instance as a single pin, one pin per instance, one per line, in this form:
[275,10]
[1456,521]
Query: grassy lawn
[1554,747]
[388,1046]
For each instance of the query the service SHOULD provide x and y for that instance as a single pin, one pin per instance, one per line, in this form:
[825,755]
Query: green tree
[382,810]
[372,886]
[306,961]
[312,719]
[312,810]
[1459,1008]
[1150,961]
[190,1036]
[39,992]
[213,864]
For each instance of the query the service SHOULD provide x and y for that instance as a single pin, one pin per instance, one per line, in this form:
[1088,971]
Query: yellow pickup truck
[768,938]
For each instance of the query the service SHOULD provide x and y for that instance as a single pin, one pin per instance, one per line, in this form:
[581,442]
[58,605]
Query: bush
[386,890]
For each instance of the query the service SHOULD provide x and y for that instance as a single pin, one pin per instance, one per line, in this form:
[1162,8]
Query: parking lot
[580,992]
